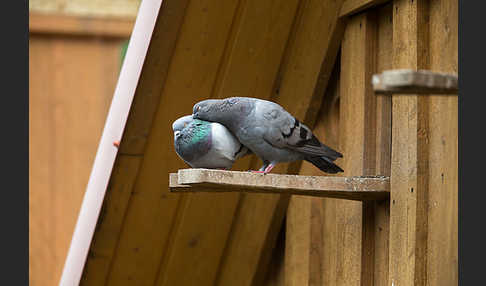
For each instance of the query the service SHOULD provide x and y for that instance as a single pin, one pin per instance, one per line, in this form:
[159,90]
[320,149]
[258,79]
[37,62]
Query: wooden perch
[414,82]
[351,188]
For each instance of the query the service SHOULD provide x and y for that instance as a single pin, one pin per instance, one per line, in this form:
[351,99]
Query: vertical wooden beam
[383,143]
[442,238]
[358,117]
[410,131]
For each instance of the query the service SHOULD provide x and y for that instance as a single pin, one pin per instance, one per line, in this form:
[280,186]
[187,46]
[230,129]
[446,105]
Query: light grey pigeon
[269,131]
[203,144]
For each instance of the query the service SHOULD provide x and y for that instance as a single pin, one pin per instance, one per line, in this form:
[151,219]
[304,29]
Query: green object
[124,48]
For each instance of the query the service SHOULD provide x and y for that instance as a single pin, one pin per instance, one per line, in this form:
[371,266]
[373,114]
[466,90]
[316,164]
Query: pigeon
[269,131]
[203,144]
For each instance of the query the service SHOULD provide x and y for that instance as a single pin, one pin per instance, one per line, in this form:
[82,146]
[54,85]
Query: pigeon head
[180,124]
[206,109]
[224,111]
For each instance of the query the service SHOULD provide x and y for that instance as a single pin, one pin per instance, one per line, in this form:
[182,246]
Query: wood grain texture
[305,72]
[67,111]
[358,117]
[107,235]
[275,275]
[298,240]
[383,143]
[442,250]
[410,151]
[40,23]
[151,236]
[351,7]
[153,76]
[248,68]
[102,249]
[205,180]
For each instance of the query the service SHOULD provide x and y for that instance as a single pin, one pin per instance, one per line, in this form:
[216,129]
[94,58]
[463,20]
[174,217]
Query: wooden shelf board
[351,188]
[406,81]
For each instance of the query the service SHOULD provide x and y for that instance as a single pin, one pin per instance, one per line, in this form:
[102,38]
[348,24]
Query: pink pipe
[113,131]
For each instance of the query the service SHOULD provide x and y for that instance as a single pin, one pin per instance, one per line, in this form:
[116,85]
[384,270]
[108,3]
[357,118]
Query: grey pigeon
[203,144]
[269,131]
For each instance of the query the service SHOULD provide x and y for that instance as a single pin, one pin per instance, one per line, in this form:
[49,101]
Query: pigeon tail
[324,164]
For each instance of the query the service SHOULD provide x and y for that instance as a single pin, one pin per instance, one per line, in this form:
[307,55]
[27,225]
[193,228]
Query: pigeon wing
[285,131]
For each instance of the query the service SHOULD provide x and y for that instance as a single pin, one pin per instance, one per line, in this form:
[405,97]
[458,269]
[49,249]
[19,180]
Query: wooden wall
[412,239]
[202,49]
[72,77]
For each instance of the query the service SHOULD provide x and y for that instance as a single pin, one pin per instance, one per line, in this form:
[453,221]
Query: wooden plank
[206,180]
[305,71]
[351,7]
[153,76]
[249,67]
[410,165]
[302,71]
[442,245]
[153,217]
[60,24]
[320,248]
[407,81]
[110,221]
[67,116]
[298,240]
[275,276]
[107,235]
[383,144]
[358,117]
[43,265]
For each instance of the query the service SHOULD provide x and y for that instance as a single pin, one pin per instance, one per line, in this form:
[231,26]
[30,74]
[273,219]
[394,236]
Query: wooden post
[409,171]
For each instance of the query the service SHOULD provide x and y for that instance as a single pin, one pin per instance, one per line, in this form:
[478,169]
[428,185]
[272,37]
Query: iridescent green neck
[202,129]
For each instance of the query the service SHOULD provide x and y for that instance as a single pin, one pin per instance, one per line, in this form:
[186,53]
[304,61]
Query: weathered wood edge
[407,81]
[352,188]
[351,7]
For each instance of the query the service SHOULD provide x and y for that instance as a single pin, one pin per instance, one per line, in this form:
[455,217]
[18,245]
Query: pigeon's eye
[197,108]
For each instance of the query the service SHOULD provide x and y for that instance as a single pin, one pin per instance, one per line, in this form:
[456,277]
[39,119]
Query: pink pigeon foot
[269,168]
